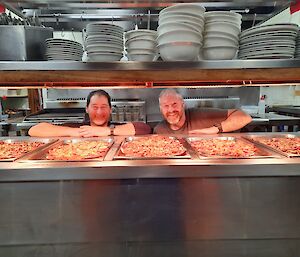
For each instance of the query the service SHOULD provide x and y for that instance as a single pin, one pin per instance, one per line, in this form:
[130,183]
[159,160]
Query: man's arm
[49,130]
[132,128]
[236,119]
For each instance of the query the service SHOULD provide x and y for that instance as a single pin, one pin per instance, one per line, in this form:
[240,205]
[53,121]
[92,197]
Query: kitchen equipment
[41,155]
[212,147]
[23,43]
[280,144]
[46,143]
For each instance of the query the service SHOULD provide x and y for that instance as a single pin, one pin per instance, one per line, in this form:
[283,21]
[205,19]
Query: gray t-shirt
[195,119]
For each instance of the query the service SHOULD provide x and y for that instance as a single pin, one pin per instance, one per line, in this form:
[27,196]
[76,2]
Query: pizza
[153,146]
[286,145]
[12,150]
[224,148]
[78,151]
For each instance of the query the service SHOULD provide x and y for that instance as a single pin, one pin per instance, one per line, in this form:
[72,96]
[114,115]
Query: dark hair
[98,92]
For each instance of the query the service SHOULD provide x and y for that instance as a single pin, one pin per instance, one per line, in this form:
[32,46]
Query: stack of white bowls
[297,53]
[276,41]
[104,42]
[141,45]
[63,49]
[221,35]
[180,32]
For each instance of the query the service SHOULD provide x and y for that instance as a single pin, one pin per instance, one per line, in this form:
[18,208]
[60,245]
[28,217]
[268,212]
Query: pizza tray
[262,153]
[47,142]
[40,156]
[253,138]
[121,156]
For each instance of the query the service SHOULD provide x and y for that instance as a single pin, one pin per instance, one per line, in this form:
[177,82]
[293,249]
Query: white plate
[284,27]
[266,38]
[271,56]
[268,43]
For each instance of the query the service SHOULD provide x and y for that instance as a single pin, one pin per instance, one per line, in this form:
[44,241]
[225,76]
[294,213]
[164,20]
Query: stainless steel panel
[217,216]
[23,43]
[121,156]
[253,138]
[47,142]
[40,156]
[262,153]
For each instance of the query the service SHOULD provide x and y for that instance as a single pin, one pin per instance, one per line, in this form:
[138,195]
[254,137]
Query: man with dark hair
[96,122]
[196,121]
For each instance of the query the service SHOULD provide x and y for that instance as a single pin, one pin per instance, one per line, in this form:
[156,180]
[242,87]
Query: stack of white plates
[180,32]
[276,41]
[297,53]
[104,42]
[221,35]
[141,45]
[63,49]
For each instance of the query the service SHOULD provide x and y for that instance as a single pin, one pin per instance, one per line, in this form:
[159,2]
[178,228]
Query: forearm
[124,130]
[49,130]
[236,119]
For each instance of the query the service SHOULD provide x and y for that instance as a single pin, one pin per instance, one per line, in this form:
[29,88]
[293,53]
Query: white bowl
[223,27]
[185,7]
[219,53]
[181,18]
[142,51]
[169,14]
[104,57]
[179,36]
[96,48]
[141,43]
[142,57]
[223,18]
[210,41]
[222,13]
[132,33]
[220,34]
[179,51]
[147,36]
[171,26]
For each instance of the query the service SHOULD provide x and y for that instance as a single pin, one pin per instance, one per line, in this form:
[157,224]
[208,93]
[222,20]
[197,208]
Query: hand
[207,131]
[94,131]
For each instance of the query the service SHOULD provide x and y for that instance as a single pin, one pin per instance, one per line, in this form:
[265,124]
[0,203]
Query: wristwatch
[219,126]
[112,130]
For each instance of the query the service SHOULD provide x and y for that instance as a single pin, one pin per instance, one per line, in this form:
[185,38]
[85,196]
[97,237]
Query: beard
[173,118]
[99,121]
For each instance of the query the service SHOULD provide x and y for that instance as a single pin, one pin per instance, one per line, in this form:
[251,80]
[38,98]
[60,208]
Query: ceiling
[75,15]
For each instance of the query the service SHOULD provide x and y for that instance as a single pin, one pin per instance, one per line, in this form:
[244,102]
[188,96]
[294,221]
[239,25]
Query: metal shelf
[149,74]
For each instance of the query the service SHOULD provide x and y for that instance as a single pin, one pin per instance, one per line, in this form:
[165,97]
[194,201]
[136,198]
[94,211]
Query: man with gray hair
[196,121]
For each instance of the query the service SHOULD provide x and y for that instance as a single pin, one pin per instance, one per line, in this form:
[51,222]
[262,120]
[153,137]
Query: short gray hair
[169,92]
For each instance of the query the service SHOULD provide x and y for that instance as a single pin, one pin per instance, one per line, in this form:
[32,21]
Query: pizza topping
[154,146]
[224,148]
[16,149]
[79,150]
[286,145]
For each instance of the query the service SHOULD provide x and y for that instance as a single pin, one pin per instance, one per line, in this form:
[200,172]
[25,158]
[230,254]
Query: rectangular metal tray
[26,139]
[253,138]
[262,152]
[40,156]
[120,156]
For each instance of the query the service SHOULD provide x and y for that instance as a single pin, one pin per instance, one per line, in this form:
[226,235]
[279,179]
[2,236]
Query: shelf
[149,74]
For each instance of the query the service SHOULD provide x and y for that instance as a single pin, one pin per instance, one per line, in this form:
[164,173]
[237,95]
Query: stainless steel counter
[177,208]
[35,170]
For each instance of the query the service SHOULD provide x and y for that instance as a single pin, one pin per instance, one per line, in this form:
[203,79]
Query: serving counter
[164,207]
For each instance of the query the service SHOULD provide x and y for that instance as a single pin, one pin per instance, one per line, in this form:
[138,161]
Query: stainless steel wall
[247,95]
[152,217]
